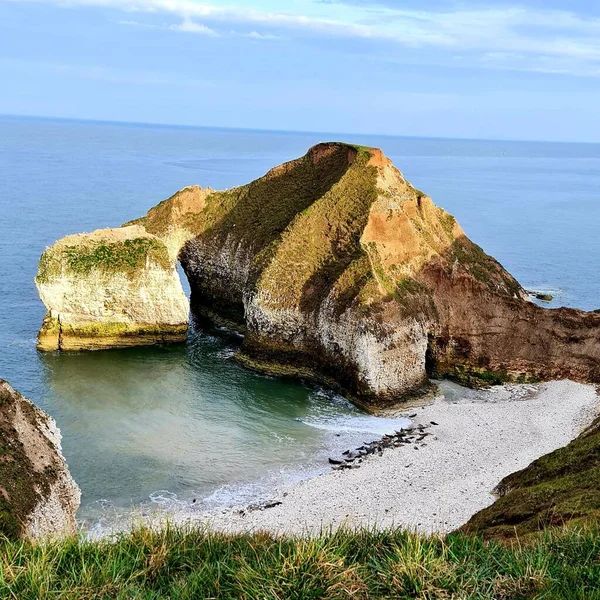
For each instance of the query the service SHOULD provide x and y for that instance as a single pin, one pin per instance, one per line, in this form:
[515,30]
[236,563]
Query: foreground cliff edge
[38,497]
[558,489]
[334,266]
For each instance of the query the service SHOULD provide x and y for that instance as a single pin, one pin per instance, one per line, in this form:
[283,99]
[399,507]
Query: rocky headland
[38,497]
[336,269]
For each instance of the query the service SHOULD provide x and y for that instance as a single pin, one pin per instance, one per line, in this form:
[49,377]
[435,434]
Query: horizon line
[282,131]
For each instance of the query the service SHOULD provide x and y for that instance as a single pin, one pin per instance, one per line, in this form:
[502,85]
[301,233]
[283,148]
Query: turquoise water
[164,426]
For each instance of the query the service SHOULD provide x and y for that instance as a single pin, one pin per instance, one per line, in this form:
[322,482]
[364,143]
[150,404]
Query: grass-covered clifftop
[101,255]
[560,488]
[361,565]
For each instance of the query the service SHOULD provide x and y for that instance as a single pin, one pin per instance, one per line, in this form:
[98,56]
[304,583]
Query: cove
[184,427]
[126,415]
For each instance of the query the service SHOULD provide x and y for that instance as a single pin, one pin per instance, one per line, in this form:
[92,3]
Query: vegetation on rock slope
[22,486]
[127,256]
[303,268]
[259,211]
[558,488]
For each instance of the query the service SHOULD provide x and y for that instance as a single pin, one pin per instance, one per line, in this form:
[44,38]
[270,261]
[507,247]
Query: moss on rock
[127,256]
[100,335]
[49,334]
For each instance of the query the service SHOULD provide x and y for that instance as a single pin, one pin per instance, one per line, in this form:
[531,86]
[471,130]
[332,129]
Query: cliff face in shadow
[38,497]
[338,269]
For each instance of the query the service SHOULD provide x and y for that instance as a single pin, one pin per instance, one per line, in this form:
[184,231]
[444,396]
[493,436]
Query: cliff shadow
[227,257]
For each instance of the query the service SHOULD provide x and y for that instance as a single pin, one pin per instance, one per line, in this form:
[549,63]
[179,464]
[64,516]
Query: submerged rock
[339,270]
[38,496]
[544,296]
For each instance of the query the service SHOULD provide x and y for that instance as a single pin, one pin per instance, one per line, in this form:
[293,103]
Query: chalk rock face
[338,269]
[110,288]
[38,496]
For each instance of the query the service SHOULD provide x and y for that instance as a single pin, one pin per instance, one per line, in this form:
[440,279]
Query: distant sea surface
[183,426]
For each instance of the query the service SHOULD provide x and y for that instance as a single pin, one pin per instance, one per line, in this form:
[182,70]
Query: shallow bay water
[167,425]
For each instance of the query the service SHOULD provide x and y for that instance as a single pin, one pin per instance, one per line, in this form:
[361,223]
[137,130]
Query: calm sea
[164,426]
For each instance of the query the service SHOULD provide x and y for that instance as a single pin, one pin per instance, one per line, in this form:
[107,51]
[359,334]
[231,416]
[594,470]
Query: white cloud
[137,24]
[254,35]
[189,26]
[561,40]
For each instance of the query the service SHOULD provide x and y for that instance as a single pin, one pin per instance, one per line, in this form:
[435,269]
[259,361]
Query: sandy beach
[438,483]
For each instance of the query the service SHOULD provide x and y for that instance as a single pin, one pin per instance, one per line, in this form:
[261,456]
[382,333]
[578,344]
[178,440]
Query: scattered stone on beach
[258,506]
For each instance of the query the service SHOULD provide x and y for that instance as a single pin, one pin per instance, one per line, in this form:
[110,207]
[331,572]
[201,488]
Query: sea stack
[38,497]
[109,289]
[337,269]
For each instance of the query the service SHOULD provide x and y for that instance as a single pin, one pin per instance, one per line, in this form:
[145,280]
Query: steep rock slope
[38,496]
[338,269]
[560,488]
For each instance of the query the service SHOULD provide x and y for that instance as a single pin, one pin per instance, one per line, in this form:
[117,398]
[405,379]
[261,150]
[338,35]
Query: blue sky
[490,69]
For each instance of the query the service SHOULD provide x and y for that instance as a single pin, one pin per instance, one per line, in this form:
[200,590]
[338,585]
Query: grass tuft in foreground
[191,563]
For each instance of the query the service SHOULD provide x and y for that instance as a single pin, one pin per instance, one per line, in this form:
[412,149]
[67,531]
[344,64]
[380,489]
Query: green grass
[186,564]
[128,256]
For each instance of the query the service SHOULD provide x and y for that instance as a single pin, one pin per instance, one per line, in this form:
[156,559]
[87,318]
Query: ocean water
[182,426]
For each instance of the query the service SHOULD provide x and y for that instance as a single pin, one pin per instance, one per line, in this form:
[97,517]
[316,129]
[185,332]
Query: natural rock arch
[336,268]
